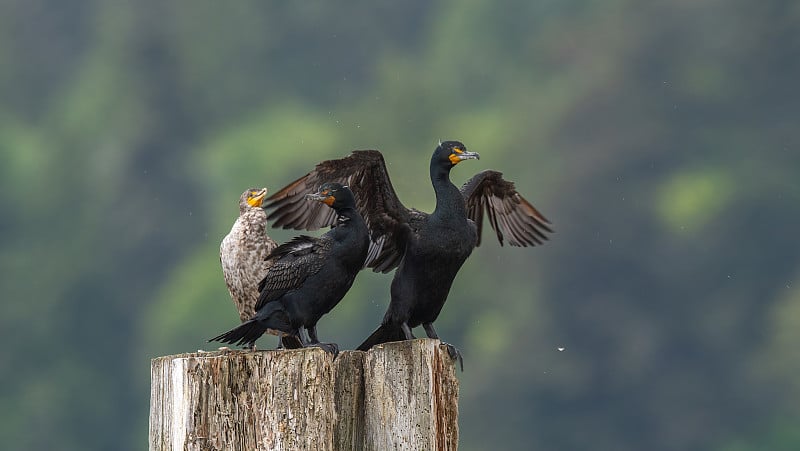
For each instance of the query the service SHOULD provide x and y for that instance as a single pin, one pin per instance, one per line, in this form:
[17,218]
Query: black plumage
[308,276]
[427,249]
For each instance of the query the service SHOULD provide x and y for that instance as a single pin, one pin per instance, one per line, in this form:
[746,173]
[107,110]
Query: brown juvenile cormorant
[243,252]
[428,249]
[308,276]
[243,255]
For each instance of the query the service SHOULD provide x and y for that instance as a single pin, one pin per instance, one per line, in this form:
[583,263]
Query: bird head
[334,195]
[252,198]
[450,153]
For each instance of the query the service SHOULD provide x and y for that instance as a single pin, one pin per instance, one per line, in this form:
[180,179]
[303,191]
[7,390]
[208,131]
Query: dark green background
[661,138]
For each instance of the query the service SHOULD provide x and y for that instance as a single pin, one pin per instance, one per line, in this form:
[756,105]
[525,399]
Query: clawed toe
[331,348]
[455,354]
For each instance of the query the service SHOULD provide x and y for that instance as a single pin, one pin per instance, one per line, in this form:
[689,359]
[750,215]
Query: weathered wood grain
[349,400]
[411,394]
[396,396]
[242,400]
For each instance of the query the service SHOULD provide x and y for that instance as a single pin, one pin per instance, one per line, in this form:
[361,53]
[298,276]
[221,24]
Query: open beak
[257,200]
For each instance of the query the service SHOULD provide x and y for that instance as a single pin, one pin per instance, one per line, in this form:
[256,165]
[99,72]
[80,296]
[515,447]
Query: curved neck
[256,218]
[448,198]
[349,226]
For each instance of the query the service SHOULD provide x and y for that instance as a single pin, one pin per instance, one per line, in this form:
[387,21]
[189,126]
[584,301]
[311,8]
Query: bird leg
[430,331]
[312,334]
[454,353]
[407,331]
[301,335]
[331,348]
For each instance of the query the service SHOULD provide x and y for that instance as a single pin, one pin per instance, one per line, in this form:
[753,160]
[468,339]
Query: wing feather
[292,263]
[364,171]
[510,215]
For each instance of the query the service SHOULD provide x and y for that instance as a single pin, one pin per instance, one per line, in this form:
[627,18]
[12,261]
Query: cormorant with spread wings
[308,276]
[427,249]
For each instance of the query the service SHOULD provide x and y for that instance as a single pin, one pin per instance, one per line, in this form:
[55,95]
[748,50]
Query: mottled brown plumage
[244,250]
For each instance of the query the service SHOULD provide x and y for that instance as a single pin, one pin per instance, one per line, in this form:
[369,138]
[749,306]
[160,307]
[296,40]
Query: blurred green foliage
[660,138]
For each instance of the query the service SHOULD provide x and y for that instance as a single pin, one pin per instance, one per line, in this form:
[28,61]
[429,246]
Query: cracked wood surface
[400,395]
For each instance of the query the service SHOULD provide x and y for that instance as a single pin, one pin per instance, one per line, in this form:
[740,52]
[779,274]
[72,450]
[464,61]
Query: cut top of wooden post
[401,395]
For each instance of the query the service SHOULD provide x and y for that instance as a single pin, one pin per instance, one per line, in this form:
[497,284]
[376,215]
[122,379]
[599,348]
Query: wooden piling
[401,395]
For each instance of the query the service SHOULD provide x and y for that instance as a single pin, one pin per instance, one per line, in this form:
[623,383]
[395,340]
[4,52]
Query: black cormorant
[308,276]
[428,249]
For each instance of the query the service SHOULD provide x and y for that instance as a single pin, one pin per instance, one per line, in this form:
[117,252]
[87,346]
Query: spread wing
[364,171]
[510,214]
[292,263]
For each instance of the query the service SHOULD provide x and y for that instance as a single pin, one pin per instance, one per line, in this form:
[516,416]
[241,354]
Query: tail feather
[246,333]
[270,316]
[384,334]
